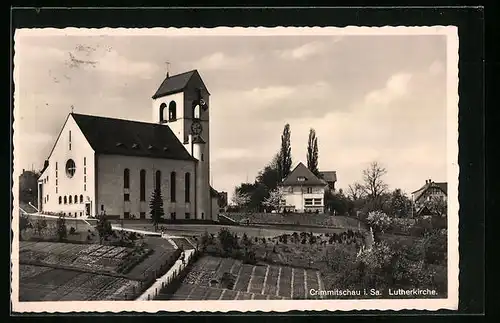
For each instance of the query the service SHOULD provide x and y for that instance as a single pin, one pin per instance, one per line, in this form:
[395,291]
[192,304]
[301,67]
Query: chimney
[426,181]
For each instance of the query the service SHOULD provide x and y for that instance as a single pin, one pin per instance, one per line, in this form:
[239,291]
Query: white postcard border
[451,302]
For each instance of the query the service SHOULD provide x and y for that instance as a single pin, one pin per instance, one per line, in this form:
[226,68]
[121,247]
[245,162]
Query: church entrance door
[87,209]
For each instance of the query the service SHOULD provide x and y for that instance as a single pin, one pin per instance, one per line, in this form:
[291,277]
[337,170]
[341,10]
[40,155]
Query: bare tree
[355,191]
[373,184]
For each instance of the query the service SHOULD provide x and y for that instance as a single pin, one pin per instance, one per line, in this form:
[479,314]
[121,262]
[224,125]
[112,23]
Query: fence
[169,277]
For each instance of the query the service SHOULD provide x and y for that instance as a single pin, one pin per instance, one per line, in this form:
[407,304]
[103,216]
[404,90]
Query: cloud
[396,87]
[220,60]
[436,68]
[307,50]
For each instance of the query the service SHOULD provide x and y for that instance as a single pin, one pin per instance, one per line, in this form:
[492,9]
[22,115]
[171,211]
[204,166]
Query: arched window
[172,111]
[126,178]
[81,198]
[196,111]
[187,185]
[143,185]
[60,200]
[172,187]
[70,199]
[65,200]
[158,180]
[162,112]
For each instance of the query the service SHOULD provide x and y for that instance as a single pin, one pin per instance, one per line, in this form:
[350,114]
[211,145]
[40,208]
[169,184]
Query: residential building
[303,192]
[429,191]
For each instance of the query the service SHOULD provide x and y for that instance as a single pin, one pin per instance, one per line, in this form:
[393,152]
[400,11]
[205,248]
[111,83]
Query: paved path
[161,282]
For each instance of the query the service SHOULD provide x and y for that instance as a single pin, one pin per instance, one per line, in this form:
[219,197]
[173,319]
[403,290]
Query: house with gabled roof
[106,165]
[430,190]
[304,192]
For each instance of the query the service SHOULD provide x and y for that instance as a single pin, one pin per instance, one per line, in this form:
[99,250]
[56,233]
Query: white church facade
[104,165]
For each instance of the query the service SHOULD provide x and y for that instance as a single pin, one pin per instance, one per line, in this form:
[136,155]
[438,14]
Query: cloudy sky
[369,98]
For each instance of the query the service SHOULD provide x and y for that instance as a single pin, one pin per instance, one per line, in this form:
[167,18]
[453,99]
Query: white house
[303,191]
[100,164]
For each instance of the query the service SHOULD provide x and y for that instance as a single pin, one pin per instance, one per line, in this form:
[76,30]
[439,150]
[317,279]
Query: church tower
[182,103]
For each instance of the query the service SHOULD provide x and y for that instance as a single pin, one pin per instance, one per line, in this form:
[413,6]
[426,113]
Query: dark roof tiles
[302,171]
[329,176]
[175,83]
[443,186]
[130,138]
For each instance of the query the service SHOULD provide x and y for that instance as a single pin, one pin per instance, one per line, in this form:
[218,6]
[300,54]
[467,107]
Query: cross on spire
[72,108]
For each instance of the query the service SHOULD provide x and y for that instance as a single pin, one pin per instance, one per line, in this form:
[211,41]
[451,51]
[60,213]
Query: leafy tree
[312,152]
[156,208]
[40,225]
[437,206]
[274,201]
[270,176]
[205,241]
[24,223]
[227,240]
[285,155]
[240,199]
[399,204]
[28,187]
[373,183]
[337,202]
[62,230]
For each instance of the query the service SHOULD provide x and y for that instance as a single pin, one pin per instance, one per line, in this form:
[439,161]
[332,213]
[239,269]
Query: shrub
[227,240]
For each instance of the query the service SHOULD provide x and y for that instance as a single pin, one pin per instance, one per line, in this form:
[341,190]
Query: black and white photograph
[235,169]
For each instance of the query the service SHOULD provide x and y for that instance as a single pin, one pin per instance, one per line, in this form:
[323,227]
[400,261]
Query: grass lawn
[301,219]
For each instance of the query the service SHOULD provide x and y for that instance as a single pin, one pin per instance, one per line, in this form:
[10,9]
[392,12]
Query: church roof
[301,171]
[131,138]
[175,83]
[213,192]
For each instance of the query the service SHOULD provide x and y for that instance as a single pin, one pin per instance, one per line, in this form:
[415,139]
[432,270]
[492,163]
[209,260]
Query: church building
[105,165]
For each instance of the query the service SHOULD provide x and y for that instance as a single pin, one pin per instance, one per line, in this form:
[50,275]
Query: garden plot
[68,285]
[251,281]
[285,287]
[299,291]
[28,271]
[84,257]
